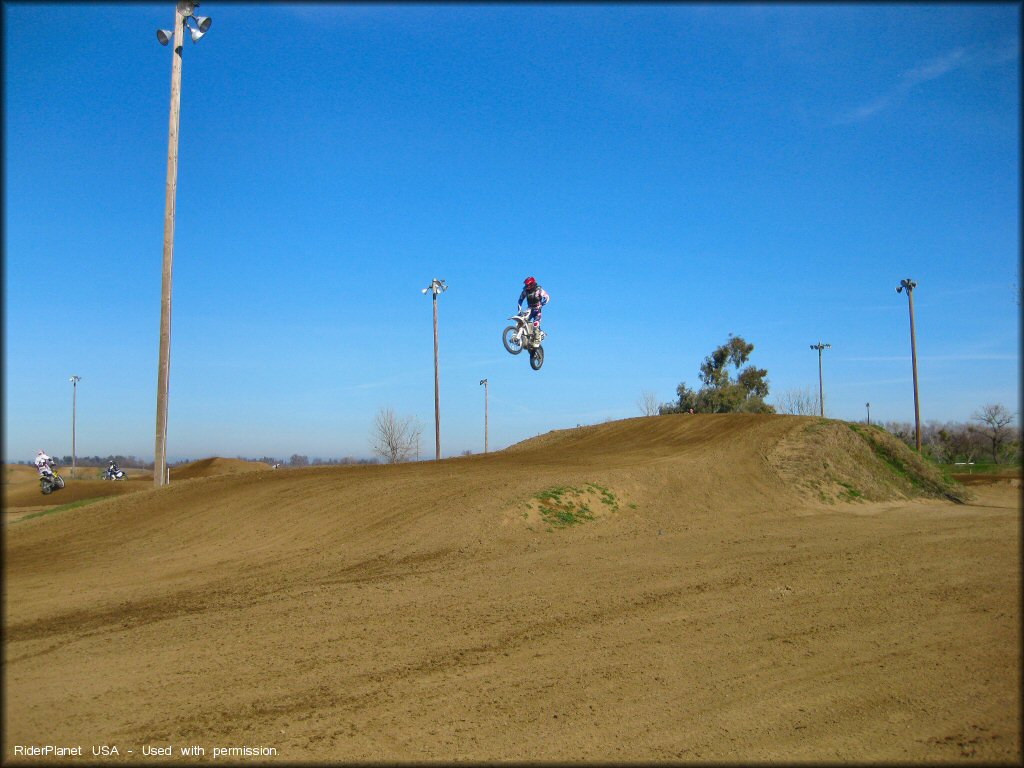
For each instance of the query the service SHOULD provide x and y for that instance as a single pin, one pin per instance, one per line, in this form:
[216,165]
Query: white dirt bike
[522,336]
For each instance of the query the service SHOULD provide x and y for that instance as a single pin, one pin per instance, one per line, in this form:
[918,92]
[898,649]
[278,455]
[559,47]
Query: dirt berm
[672,588]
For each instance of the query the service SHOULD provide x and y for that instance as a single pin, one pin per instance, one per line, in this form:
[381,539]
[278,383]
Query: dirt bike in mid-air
[50,481]
[522,336]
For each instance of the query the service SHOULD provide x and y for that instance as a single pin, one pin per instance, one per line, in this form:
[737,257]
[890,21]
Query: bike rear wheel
[512,341]
[59,481]
[537,358]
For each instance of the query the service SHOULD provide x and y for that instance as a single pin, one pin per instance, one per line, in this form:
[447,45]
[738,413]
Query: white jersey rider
[43,463]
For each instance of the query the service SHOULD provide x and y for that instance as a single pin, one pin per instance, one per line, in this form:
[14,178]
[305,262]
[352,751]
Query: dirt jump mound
[675,588]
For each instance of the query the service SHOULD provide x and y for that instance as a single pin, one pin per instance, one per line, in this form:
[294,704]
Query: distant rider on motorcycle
[112,470]
[535,297]
[44,463]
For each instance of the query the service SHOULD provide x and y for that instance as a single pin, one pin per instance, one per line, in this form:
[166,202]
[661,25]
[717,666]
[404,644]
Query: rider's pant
[535,316]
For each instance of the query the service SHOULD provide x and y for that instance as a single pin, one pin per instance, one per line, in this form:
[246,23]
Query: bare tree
[995,426]
[394,439]
[648,403]
[798,402]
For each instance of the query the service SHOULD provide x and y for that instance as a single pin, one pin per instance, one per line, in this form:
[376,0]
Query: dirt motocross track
[736,587]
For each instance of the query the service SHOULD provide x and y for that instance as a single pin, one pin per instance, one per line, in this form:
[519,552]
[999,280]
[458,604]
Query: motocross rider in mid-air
[535,297]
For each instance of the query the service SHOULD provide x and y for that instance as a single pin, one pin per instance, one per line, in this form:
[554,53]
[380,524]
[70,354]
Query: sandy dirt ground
[22,497]
[715,603]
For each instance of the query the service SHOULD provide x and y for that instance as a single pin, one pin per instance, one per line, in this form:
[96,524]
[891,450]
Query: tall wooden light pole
[183,10]
[909,285]
[868,406]
[74,416]
[484,382]
[436,286]
[821,388]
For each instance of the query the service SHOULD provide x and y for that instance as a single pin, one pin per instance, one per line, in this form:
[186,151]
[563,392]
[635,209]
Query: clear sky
[671,174]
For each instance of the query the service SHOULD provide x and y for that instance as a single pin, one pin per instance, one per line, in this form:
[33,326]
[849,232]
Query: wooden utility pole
[821,388]
[484,382]
[909,285]
[436,286]
[74,418]
[437,394]
[868,406]
[163,371]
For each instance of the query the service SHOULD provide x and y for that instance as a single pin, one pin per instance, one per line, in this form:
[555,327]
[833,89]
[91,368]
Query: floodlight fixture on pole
[183,10]
[436,286]
[868,406]
[909,285]
[484,382]
[821,389]
[74,407]
[202,23]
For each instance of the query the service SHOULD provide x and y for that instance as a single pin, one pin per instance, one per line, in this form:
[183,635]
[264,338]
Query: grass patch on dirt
[563,506]
[983,468]
[831,461]
[924,476]
[850,493]
[61,508]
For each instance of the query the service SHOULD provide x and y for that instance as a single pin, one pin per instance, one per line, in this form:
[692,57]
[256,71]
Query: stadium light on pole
[74,408]
[909,285]
[436,286]
[184,10]
[484,382]
[821,389]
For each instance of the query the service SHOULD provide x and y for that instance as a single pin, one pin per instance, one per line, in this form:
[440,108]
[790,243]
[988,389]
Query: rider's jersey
[538,297]
[42,460]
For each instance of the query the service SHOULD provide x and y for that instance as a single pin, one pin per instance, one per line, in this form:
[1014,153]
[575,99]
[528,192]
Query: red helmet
[529,282]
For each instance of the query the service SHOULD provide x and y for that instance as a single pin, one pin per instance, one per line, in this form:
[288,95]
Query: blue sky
[670,173]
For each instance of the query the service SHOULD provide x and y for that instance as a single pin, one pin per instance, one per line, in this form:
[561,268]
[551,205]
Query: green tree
[724,390]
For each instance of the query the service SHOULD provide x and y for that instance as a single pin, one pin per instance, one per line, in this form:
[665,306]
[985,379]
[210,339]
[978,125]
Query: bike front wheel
[537,358]
[512,340]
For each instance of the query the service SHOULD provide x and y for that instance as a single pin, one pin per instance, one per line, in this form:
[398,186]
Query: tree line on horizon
[727,387]
[134,462]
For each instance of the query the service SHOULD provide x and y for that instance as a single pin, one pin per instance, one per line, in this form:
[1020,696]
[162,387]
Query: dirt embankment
[680,588]
[216,466]
[21,492]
